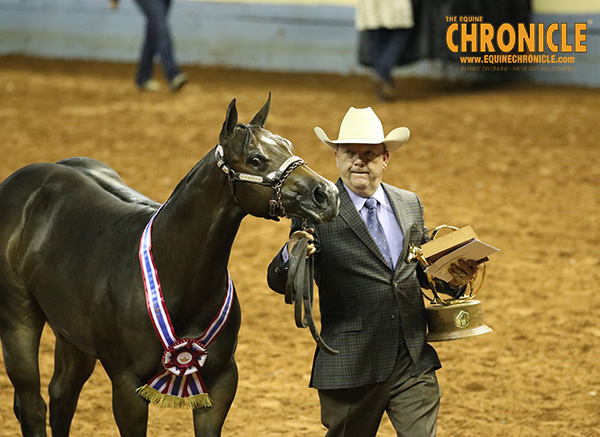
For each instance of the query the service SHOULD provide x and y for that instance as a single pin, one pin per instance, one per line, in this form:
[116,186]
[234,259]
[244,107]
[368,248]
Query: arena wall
[278,35]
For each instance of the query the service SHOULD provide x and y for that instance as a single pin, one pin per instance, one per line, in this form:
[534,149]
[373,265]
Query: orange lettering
[540,37]
[551,46]
[485,39]
[564,47]
[580,38]
[453,47]
[526,38]
[506,28]
[468,37]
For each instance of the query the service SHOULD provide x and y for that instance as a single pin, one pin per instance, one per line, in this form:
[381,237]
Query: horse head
[267,179]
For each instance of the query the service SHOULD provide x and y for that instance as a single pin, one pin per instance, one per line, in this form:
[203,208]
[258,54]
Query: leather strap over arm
[299,291]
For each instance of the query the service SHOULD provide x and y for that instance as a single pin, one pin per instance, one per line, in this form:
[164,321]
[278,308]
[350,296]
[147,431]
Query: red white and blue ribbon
[180,384]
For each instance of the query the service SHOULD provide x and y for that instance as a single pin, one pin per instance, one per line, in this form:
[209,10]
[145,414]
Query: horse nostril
[320,197]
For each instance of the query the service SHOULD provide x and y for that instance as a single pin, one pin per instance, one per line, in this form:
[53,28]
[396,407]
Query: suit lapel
[403,220]
[351,216]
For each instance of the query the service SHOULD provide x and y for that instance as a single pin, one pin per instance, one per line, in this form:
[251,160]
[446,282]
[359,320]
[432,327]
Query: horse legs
[72,368]
[21,325]
[208,422]
[129,408]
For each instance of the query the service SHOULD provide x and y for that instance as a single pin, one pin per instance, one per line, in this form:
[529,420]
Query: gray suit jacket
[366,309]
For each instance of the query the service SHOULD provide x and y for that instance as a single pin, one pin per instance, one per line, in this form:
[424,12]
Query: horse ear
[260,118]
[230,122]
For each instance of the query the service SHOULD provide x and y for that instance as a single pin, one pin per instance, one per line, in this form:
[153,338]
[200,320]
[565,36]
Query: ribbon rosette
[184,357]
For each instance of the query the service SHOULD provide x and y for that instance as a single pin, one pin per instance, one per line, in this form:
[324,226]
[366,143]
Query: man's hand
[462,272]
[299,235]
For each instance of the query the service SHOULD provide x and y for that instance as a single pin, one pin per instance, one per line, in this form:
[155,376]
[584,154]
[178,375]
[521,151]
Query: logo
[522,43]
[462,319]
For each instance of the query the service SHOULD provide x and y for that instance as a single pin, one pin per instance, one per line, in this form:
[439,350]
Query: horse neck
[192,238]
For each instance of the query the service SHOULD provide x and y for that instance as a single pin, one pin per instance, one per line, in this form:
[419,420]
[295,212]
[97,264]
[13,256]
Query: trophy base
[455,321]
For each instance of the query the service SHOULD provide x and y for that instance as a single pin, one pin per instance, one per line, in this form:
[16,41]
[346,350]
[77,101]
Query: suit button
[394,316]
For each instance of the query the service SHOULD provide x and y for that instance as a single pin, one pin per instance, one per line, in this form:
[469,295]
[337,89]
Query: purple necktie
[376,230]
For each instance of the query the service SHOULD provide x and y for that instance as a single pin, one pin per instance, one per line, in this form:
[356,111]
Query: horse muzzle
[315,199]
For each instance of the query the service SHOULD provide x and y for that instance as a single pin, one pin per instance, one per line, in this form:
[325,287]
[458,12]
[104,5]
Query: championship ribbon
[180,385]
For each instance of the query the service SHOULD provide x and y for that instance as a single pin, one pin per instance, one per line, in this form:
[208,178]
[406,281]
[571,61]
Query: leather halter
[275,179]
[299,291]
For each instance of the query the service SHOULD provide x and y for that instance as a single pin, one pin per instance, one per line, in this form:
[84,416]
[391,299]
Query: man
[371,306]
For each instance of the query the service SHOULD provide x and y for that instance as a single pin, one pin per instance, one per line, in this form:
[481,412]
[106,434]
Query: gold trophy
[452,319]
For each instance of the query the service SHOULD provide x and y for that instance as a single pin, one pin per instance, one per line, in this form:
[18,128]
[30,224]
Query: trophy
[452,319]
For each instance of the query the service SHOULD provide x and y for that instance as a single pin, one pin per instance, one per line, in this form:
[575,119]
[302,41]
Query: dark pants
[386,47]
[156,42]
[412,404]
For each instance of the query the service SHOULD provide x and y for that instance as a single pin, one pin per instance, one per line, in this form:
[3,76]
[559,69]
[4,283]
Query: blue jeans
[156,42]
[386,47]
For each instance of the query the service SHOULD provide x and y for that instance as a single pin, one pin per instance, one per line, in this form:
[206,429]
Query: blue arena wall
[276,37]
[256,36]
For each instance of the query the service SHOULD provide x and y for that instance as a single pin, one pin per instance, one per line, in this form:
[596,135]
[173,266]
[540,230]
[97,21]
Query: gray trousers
[412,404]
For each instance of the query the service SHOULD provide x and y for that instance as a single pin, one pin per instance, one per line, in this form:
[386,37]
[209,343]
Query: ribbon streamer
[180,385]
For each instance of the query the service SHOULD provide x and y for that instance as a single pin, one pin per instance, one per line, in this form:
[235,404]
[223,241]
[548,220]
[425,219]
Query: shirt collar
[359,201]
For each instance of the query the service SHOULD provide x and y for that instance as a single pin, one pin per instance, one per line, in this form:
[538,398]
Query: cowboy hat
[362,126]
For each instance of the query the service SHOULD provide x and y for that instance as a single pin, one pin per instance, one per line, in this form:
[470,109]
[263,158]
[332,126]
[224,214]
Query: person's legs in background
[386,47]
[158,41]
[145,70]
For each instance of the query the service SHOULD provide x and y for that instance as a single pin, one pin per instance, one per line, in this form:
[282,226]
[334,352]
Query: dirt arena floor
[518,161]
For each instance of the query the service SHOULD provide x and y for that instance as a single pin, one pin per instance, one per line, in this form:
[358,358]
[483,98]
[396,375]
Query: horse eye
[256,161]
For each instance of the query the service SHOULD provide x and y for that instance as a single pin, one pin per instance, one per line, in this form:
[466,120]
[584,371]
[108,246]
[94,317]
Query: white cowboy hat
[362,126]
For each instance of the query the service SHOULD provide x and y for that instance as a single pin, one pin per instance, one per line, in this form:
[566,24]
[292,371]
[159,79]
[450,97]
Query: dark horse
[69,239]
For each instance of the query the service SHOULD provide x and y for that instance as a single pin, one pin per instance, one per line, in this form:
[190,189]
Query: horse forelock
[247,139]
[268,138]
[252,138]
